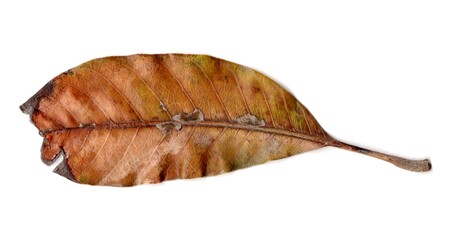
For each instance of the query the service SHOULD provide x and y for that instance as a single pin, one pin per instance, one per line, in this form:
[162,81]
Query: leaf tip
[31,104]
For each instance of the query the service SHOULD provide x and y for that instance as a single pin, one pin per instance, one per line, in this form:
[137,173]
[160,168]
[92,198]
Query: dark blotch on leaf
[68,72]
[31,104]
[64,170]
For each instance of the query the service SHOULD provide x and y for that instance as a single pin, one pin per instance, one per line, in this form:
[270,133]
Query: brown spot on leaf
[168,168]
[129,179]
[203,164]
[256,89]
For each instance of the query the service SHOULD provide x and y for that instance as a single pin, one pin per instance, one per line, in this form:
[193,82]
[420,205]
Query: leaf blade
[200,116]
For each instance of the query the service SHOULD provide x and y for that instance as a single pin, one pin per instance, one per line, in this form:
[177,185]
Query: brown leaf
[123,121]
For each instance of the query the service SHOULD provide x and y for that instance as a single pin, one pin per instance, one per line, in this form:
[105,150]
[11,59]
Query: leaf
[123,121]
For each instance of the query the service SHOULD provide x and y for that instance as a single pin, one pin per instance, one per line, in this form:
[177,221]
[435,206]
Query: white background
[374,73]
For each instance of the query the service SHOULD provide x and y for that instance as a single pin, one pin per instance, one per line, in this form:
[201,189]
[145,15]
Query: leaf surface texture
[129,120]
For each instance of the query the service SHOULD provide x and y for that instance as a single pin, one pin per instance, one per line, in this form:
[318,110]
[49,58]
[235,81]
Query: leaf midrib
[206,123]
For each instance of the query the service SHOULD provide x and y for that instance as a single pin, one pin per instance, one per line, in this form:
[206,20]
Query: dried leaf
[123,121]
